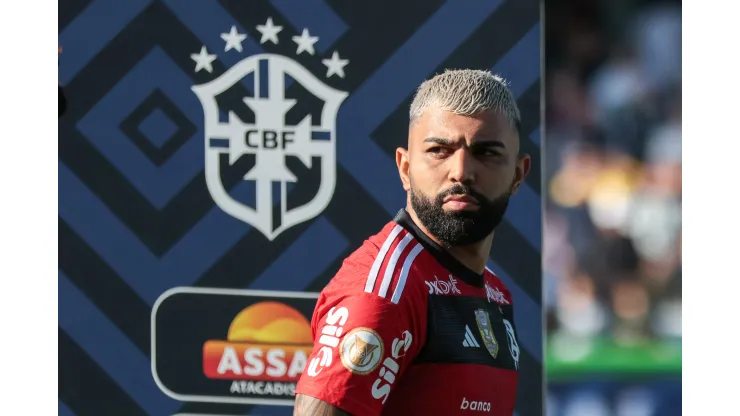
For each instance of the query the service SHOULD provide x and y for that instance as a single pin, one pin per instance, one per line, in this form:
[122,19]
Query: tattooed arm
[311,406]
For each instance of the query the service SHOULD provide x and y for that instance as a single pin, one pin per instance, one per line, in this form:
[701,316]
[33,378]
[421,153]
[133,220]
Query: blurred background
[612,236]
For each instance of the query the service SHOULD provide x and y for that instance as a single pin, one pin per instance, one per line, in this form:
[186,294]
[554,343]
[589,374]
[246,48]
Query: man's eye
[437,150]
[488,153]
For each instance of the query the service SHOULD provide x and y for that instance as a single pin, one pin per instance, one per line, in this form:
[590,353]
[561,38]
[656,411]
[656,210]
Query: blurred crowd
[612,255]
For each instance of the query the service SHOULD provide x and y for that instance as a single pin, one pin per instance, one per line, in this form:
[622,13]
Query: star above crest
[269,33]
[233,39]
[335,65]
[305,42]
[203,60]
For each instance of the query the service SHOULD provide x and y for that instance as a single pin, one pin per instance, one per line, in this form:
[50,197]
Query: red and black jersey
[405,329]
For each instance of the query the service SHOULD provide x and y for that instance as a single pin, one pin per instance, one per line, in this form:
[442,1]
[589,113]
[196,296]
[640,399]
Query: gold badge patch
[361,350]
[486,332]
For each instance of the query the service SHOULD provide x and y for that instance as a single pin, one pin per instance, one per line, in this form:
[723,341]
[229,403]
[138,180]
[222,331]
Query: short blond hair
[466,92]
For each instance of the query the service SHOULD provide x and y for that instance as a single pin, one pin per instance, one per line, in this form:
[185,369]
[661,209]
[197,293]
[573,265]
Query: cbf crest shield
[248,115]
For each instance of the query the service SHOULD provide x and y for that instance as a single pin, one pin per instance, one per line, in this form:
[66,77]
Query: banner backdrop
[218,161]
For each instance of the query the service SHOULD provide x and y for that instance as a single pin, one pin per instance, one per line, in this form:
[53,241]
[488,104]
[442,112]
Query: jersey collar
[445,259]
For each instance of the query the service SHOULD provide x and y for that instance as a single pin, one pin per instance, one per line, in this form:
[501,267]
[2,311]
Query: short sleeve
[363,343]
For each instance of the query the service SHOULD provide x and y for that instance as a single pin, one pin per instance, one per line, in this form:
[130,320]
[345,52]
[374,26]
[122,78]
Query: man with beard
[414,322]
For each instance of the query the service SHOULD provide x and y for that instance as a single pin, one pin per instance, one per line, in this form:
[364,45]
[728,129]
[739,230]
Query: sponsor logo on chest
[493,294]
[443,287]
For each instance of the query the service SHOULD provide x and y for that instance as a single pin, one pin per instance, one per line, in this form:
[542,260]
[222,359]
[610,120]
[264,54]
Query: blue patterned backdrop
[136,217]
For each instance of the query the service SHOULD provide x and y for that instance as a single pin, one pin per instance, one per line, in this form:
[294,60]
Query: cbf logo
[265,135]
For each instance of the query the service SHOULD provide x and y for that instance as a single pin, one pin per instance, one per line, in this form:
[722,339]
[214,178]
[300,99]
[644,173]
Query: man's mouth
[460,202]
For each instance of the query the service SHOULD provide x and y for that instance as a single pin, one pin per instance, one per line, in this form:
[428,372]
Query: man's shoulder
[381,265]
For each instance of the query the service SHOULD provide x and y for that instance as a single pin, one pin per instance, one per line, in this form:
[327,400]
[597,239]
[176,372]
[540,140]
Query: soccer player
[414,323]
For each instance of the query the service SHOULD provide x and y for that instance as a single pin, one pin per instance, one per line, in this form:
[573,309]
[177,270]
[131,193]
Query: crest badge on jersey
[262,134]
[486,331]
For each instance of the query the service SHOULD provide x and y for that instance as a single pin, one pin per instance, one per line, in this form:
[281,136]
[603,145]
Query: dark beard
[459,228]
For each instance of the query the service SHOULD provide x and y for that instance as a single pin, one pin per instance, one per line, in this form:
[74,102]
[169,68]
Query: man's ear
[402,162]
[523,165]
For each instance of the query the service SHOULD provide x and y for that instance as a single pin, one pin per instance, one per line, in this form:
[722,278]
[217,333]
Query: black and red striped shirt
[404,328]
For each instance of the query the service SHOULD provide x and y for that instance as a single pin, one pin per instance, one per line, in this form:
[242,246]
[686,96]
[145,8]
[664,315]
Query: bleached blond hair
[466,92]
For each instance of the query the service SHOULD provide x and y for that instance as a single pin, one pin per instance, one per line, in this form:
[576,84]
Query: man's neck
[473,256]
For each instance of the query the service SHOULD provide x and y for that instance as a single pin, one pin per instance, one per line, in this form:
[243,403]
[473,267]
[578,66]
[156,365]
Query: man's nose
[462,167]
